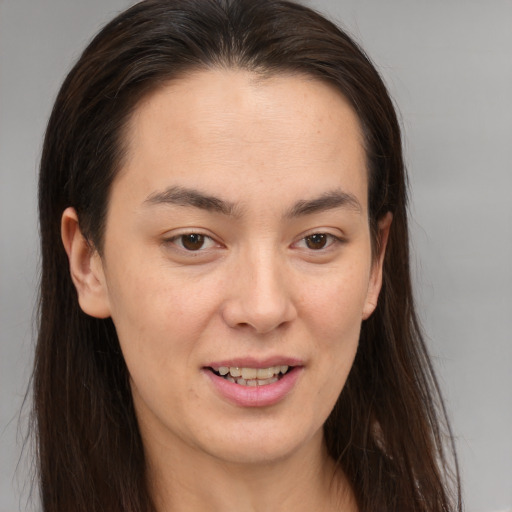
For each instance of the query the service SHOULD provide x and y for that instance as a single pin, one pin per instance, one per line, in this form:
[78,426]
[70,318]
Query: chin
[259,442]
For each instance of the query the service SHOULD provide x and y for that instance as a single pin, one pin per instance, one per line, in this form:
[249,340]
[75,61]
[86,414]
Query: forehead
[235,130]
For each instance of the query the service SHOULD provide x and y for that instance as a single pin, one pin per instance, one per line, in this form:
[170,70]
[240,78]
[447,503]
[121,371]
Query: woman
[226,313]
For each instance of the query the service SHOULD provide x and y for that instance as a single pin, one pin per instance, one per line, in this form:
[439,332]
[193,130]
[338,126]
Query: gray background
[448,64]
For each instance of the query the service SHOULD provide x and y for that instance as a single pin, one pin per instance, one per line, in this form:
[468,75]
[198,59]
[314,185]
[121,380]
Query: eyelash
[178,240]
[331,241]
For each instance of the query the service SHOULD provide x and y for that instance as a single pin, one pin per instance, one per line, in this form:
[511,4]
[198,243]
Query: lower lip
[255,396]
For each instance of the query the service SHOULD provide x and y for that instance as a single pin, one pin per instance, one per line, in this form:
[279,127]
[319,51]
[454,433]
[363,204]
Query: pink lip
[254,396]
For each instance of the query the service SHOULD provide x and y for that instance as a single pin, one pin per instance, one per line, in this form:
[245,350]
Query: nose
[259,295]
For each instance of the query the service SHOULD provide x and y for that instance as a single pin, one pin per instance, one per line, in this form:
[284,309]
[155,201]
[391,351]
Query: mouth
[247,382]
[246,376]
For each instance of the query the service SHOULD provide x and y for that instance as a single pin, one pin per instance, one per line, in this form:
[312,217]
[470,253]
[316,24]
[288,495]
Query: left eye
[193,241]
[318,241]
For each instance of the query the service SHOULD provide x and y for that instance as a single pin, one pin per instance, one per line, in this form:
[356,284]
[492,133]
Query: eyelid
[171,238]
[334,240]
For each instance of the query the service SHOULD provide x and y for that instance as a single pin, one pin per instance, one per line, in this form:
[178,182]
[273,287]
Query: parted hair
[388,430]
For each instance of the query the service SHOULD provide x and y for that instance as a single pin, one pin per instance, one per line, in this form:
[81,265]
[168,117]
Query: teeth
[249,373]
[236,372]
[252,373]
[265,373]
[252,376]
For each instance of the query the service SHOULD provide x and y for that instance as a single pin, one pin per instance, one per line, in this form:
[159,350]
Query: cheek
[160,323]
[335,302]
[335,316]
[159,318]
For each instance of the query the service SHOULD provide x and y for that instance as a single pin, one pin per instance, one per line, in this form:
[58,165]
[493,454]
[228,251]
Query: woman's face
[237,244]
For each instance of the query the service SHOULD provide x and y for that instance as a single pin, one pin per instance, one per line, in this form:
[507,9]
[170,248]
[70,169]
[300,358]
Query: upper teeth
[252,373]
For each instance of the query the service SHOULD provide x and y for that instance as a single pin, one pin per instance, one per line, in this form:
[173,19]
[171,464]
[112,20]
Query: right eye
[193,241]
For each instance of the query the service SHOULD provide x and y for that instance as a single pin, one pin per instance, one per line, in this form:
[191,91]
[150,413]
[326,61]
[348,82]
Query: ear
[375,283]
[85,266]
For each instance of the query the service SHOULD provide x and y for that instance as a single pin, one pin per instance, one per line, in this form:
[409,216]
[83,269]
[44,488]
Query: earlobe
[85,267]
[375,283]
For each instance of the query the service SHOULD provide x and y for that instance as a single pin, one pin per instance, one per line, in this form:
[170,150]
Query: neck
[193,481]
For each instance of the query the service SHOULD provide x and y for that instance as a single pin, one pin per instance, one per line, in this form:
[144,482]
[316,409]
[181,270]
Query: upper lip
[252,362]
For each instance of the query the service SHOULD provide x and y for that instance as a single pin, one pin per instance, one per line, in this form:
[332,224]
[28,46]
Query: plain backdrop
[448,65]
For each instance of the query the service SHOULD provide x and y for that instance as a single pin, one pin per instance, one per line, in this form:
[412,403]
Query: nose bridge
[265,273]
[261,298]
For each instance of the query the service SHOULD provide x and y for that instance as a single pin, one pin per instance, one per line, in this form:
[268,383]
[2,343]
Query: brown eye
[316,241]
[192,241]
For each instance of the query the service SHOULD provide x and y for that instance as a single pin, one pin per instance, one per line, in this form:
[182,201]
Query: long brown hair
[388,430]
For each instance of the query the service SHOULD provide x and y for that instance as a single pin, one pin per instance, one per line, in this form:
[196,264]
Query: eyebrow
[190,197]
[328,201]
[182,196]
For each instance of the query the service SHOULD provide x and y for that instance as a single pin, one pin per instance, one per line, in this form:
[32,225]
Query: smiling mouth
[252,376]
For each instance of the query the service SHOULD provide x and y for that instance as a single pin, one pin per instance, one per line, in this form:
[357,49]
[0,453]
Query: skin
[257,287]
